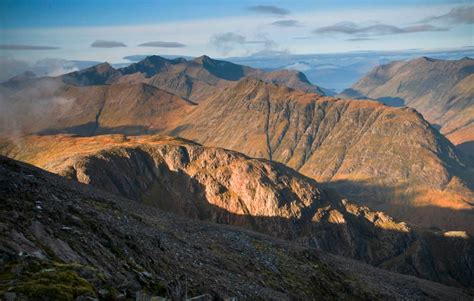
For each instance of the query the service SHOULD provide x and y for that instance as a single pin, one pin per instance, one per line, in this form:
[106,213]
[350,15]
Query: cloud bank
[351,28]
[107,44]
[26,47]
[269,9]
[458,15]
[286,23]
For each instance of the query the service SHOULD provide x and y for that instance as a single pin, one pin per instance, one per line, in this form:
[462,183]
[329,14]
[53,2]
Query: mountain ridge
[442,90]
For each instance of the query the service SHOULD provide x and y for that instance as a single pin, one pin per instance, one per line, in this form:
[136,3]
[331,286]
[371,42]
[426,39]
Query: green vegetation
[45,280]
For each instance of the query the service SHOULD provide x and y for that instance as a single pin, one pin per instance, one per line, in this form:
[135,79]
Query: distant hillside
[442,90]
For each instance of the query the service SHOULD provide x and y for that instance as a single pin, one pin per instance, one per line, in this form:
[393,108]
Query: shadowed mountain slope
[227,187]
[442,90]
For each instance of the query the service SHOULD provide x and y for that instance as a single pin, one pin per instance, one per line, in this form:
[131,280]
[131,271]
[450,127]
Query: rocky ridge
[227,187]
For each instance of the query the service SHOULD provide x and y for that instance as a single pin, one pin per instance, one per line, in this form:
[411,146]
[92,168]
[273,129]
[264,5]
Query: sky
[112,30]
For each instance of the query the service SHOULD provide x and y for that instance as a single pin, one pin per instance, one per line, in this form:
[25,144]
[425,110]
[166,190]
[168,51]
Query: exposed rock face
[87,243]
[227,187]
[389,158]
[443,91]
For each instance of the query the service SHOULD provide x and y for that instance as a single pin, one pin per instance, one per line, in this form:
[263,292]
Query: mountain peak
[99,74]
[103,67]
[426,59]
[203,59]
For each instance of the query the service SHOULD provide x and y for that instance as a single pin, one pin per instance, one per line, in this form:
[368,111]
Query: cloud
[458,15]
[10,67]
[226,42]
[107,44]
[286,23]
[269,9]
[351,28]
[163,44]
[25,47]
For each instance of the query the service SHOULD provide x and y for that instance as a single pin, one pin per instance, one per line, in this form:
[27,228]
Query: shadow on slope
[467,148]
[396,200]
[428,255]
[91,129]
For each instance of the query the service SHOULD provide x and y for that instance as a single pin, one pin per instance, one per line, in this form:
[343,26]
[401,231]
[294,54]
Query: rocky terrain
[388,158]
[441,90]
[281,135]
[64,240]
[417,176]
[230,188]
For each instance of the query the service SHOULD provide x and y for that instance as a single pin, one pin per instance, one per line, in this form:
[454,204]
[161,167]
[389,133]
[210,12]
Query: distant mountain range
[338,71]
[442,90]
[337,142]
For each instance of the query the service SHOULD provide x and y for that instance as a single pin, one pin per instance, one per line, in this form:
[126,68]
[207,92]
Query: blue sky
[110,30]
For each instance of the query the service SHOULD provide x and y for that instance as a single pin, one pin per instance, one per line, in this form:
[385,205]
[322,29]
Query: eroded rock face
[227,187]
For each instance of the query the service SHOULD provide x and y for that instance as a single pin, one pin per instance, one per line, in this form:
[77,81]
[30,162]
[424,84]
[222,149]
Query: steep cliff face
[443,91]
[389,158]
[227,187]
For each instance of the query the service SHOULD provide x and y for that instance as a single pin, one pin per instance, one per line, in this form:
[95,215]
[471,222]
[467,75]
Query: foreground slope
[389,158]
[442,90]
[84,242]
[227,187]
